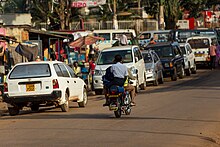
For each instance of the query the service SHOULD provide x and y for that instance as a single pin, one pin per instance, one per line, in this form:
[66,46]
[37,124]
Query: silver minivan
[132,58]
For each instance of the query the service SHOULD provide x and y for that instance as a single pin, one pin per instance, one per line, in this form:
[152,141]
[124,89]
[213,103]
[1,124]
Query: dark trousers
[212,62]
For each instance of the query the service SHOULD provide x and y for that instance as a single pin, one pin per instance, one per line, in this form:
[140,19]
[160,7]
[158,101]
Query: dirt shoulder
[3,107]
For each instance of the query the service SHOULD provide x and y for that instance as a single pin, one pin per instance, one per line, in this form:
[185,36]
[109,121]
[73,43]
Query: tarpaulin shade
[86,40]
[30,52]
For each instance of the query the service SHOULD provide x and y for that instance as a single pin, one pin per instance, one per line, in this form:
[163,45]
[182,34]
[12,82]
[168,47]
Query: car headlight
[133,70]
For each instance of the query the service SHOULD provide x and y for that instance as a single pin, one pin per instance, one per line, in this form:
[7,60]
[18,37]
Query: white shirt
[123,39]
[119,70]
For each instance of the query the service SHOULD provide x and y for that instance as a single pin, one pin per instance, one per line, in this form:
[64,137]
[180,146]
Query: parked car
[189,58]
[154,67]
[132,58]
[43,83]
[171,57]
[200,47]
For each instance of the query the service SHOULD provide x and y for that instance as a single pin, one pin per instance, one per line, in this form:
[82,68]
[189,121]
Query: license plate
[113,95]
[199,55]
[30,87]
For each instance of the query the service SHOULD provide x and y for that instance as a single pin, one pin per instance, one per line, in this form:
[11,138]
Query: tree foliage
[194,7]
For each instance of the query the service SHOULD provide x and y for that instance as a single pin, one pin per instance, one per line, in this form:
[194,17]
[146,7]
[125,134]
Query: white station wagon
[43,83]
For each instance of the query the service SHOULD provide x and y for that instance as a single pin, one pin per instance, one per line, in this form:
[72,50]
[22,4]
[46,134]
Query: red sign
[87,3]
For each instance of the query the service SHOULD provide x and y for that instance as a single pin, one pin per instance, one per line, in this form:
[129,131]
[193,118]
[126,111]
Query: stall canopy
[86,40]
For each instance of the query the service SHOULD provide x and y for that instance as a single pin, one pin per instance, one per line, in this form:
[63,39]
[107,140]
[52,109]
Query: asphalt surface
[182,113]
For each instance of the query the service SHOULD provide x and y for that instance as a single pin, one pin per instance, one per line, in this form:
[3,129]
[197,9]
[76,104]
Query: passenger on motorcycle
[120,73]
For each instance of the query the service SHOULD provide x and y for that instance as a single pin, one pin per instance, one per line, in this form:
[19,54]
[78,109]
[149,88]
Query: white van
[200,46]
[111,36]
[132,58]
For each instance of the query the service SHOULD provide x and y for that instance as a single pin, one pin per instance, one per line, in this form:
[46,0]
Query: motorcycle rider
[120,73]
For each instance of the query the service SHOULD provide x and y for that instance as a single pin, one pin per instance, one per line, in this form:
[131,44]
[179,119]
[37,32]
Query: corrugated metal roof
[48,33]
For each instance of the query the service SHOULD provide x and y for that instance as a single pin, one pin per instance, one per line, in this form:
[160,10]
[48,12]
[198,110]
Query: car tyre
[193,70]
[143,85]
[35,107]
[182,72]
[98,91]
[85,99]
[65,106]
[161,80]
[174,76]
[13,111]
[156,83]
[188,72]
[137,87]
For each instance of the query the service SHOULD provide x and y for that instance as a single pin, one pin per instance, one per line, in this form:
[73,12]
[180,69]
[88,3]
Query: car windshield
[163,51]
[199,43]
[147,57]
[30,71]
[183,49]
[108,57]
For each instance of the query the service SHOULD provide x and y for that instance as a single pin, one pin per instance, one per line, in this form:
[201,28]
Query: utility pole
[161,14]
[115,21]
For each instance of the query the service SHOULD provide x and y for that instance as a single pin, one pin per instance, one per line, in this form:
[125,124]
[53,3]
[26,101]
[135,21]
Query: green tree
[172,13]
[194,7]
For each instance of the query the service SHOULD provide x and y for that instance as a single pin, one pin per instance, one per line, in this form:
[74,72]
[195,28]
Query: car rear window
[30,71]
[108,56]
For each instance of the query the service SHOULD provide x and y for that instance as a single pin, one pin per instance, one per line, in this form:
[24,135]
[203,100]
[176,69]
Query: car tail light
[55,84]
[5,87]
[171,64]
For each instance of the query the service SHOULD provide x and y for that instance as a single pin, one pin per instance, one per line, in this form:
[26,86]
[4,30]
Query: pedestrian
[92,70]
[76,69]
[123,39]
[212,54]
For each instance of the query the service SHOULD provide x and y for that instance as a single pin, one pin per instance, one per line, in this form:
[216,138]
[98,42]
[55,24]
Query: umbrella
[86,40]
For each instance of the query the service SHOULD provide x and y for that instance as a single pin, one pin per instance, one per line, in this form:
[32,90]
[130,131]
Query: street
[182,113]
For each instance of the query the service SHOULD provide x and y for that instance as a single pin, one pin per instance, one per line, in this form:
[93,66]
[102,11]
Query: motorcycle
[119,100]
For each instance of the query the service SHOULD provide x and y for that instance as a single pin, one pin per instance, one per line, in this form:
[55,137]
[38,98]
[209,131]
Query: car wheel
[65,106]
[85,99]
[194,69]
[98,91]
[156,83]
[182,72]
[137,87]
[35,107]
[188,72]
[174,76]
[13,111]
[161,80]
[143,85]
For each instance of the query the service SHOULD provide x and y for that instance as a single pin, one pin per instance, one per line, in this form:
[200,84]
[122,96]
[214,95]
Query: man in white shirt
[123,39]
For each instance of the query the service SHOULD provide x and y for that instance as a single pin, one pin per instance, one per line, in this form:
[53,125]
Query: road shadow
[208,81]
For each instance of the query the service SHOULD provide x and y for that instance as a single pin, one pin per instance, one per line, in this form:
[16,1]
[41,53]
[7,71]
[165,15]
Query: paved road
[184,113]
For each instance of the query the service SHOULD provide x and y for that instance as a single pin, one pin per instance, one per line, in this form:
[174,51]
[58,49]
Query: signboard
[87,3]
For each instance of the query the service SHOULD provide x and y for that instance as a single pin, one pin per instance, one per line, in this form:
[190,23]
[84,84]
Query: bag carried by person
[109,76]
